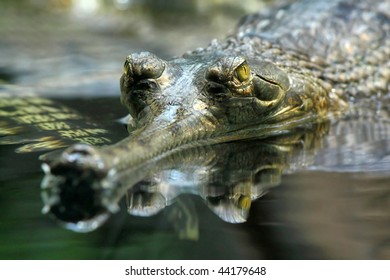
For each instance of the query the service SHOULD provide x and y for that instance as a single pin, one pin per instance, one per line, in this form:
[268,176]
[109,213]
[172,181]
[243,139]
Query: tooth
[46,168]
[45,209]
[113,208]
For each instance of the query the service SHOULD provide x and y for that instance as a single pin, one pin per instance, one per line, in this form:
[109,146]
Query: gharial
[302,63]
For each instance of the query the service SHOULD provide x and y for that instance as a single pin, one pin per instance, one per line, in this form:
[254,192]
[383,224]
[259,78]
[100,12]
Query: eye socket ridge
[230,71]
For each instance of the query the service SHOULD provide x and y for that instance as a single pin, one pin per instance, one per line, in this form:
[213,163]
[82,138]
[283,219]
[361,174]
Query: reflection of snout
[72,188]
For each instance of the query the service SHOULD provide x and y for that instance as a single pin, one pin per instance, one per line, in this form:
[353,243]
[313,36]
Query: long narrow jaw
[81,187]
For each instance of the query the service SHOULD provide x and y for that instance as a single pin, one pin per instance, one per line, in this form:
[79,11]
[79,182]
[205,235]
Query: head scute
[227,68]
[232,73]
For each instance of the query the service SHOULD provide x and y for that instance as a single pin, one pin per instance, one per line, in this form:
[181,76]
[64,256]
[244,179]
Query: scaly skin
[277,72]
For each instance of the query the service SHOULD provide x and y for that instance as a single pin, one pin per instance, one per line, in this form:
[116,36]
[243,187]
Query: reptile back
[349,39]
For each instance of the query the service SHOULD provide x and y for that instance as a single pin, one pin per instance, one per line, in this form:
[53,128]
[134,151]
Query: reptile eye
[126,67]
[242,72]
[244,202]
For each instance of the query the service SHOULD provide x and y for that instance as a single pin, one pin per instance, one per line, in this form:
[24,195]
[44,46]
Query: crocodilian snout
[170,112]
[82,186]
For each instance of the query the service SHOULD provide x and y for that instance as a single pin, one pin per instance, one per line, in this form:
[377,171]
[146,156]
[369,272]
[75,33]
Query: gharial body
[287,67]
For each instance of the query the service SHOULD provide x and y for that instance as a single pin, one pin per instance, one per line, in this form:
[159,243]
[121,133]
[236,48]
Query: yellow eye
[126,67]
[245,202]
[242,72]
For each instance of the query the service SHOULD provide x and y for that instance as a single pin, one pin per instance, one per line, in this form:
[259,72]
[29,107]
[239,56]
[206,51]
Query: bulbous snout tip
[73,186]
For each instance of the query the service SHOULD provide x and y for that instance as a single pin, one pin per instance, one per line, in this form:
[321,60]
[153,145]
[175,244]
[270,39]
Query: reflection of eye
[244,202]
[242,72]
[126,67]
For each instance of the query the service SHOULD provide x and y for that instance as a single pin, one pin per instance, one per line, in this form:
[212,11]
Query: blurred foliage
[164,12]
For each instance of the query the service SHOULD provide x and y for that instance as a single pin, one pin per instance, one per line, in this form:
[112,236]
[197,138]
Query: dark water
[316,193]
[319,202]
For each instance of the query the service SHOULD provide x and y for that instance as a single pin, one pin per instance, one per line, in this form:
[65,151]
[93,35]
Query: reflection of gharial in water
[227,176]
[293,67]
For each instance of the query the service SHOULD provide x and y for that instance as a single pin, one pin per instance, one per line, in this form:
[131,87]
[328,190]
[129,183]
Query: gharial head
[235,91]
[199,99]
[202,98]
